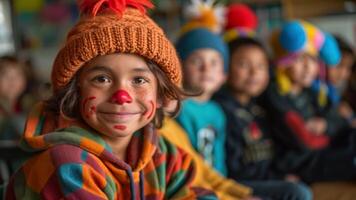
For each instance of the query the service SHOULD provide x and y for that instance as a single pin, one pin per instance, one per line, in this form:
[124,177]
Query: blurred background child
[249,144]
[13,82]
[312,134]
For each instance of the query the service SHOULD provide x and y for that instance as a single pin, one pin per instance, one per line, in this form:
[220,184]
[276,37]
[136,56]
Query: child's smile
[119,94]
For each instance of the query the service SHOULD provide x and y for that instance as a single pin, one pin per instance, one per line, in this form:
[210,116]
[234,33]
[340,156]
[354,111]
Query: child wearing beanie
[249,143]
[95,138]
[204,57]
[314,141]
[199,39]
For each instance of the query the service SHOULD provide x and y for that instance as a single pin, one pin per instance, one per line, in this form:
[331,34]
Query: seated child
[204,58]
[12,86]
[318,144]
[248,141]
[339,77]
[206,43]
[96,137]
[206,176]
[350,97]
[13,80]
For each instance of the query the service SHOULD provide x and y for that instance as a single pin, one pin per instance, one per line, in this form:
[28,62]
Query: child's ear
[168,105]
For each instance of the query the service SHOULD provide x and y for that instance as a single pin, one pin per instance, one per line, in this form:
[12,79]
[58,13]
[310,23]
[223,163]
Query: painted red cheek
[153,108]
[120,127]
[121,97]
[91,111]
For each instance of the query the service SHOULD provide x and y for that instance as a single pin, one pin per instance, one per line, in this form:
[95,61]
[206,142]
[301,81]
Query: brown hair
[66,100]
[11,62]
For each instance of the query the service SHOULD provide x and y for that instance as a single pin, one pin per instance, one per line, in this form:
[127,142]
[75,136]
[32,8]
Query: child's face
[118,94]
[204,70]
[340,74]
[12,83]
[303,70]
[249,73]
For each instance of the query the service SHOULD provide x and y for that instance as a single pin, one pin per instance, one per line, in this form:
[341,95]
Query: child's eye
[101,79]
[140,80]
[215,63]
[263,66]
[242,64]
[196,62]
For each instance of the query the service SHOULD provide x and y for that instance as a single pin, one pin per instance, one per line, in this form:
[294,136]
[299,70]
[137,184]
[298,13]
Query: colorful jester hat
[241,21]
[114,26]
[297,37]
[202,30]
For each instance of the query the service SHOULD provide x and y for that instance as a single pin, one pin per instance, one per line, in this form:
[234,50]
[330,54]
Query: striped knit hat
[114,26]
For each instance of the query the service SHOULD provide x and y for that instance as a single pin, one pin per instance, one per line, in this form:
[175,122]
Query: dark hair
[235,44]
[12,61]
[66,100]
[343,45]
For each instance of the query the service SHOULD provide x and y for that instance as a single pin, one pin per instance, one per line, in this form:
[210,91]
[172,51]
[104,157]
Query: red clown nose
[120,97]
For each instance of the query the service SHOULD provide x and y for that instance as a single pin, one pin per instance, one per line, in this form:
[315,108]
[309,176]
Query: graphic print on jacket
[205,125]
[248,140]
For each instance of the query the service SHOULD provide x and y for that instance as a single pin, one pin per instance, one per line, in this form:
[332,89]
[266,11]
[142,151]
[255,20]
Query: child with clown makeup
[95,138]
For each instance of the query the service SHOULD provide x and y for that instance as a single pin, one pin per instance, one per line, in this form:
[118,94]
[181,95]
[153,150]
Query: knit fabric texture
[202,38]
[108,32]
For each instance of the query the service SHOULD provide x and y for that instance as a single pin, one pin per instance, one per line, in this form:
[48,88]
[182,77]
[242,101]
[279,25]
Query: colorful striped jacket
[73,163]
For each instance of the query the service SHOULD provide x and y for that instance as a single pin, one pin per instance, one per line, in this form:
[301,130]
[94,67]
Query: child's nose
[120,97]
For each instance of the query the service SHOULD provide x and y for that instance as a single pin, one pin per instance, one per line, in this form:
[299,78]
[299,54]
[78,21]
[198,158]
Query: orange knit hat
[114,26]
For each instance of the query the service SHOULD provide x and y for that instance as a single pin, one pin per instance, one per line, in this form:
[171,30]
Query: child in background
[340,74]
[249,144]
[12,86]
[314,142]
[339,77]
[13,78]
[206,176]
[204,59]
[96,137]
[350,97]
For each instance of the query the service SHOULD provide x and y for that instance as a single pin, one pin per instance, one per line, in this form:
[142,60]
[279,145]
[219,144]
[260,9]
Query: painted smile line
[92,108]
[120,113]
[120,117]
[120,127]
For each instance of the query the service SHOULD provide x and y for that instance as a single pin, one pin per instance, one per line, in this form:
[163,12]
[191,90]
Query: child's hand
[316,125]
[292,178]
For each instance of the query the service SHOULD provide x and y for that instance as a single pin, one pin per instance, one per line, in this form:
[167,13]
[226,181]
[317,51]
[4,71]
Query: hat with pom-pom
[114,26]
[201,38]
[241,21]
[302,37]
[203,14]
[202,30]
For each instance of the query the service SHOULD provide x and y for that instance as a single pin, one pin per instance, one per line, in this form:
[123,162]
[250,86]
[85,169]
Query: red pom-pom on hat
[94,6]
[240,16]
